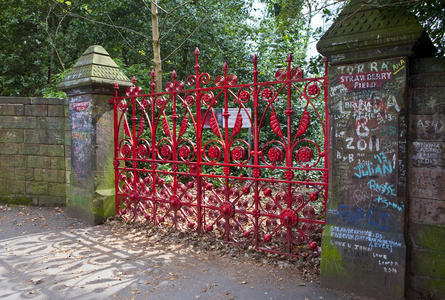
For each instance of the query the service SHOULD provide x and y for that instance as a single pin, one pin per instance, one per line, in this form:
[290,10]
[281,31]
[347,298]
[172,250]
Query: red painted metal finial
[174,76]
[153,84]
[197,60]
[225,67]
[116,86]
[255,70]
[133,80]
[289,58]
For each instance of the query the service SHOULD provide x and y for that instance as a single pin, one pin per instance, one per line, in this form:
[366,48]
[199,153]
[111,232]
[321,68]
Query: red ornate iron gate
[244,162]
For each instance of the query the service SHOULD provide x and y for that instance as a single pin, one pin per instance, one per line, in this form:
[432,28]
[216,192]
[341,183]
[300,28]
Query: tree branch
[109,25]
[177,48]
[126,41]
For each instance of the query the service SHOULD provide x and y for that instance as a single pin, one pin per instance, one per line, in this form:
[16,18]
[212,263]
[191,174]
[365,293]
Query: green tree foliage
[41,39]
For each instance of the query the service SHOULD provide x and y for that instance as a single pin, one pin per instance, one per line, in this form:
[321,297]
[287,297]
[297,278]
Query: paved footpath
[44,254]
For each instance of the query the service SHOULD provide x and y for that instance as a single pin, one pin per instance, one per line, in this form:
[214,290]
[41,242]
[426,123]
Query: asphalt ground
[45,254]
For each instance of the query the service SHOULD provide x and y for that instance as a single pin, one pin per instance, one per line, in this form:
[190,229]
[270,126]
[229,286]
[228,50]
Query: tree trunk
[156,46]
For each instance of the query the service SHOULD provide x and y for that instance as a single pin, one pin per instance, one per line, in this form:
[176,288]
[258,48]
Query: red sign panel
[367,80]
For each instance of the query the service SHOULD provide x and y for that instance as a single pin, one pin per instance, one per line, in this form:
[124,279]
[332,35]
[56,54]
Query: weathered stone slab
[363,261]
[36,110]
[427,236]
[427,211]
[428,154]
[427,65]
[424,286]
[427,127]
[428,101]
[427,183]
[11,136]
[18,122]
[428,263]
[428,80]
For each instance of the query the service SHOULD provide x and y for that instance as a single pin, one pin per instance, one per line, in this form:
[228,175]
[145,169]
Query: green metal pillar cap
[94,73]
[368,30]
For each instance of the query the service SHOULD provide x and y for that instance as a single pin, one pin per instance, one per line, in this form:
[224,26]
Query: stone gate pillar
[368,47]
[89,87]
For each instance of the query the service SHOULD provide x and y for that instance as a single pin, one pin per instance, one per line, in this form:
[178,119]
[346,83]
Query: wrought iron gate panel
[181,160]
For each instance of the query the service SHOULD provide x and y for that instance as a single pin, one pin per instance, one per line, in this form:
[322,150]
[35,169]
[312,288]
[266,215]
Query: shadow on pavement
[44,254]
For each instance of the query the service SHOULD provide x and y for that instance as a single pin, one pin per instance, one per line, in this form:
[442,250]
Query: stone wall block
[427,183]
[29,149]
[16,187]
[49,175]
[428,263]
[54,123]
[428,101]
[3,186]
[56,137]
[20,161]
[427,127]
[36,136]
[40,162]
[7,109]
[427,211]
[4,160]
[56,111]
[36,110]
[427,154]
[18,122]
[52,150]
[427,65]
[24,174]
[48,101]
[58,163]
[5,173]
[424,287]
[428,80]
[9,148]
[428,236]
[57,189]
[36,188]
[11,136]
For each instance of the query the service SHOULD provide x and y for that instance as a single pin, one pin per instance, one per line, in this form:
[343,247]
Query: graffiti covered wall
[368,172]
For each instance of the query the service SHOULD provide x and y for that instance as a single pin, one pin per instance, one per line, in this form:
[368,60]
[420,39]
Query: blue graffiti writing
[383,167]
[384,189]
[375,239]
[387,203]
[382,222]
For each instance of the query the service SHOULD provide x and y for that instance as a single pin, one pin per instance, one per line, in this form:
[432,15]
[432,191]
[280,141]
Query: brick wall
[427,180]
[34,150]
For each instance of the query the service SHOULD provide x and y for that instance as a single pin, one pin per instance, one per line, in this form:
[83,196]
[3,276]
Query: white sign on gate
[232,118]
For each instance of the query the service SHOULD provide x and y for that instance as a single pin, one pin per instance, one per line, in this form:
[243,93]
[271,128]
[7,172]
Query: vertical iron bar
[289,113]
[116,144]
[174,117]
[154,149]
[226,143]
[255,145]
[133,146]
[198,142]
[327,130]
